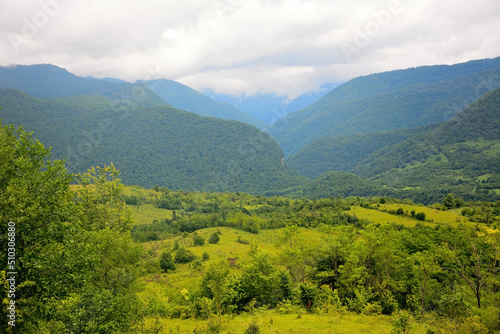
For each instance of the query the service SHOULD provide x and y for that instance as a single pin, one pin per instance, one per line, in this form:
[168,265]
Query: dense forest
[459,156]
[387,101]
[152,145]
[89,261]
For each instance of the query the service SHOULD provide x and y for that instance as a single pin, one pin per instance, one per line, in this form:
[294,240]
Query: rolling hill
[152,145]
[388,101]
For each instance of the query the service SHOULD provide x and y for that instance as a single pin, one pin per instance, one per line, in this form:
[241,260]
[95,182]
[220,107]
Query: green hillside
[186,98]
[345,153]
[152,145]
[387,101]
[47,80]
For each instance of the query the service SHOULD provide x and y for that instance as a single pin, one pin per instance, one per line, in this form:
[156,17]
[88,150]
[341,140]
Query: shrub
[198,240]
[184,255]
[253,328]
[205,256]
[420,216]
[214,238]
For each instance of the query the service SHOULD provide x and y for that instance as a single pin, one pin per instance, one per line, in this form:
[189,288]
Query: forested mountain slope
[345,153]
[460,156]
[47,80]
[387,101]
[152,145]
[186,98]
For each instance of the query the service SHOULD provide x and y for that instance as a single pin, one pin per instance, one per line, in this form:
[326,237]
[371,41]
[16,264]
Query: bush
[253,328]
[243,241]
[198,240]
[184,255]
[205,256]
[420,216]
[214,238]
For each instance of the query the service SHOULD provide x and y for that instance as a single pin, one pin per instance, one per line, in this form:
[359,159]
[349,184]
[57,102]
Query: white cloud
[236,46]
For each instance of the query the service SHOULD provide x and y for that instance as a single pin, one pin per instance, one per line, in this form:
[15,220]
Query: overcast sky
[236,46]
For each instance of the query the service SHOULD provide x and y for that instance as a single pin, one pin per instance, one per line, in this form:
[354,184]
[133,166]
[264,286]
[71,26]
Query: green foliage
[420,216]
[387,101]
[220,155]
[73,250]
[184,255]
[167,262]
[214,238]
[253,328]
[198,240]
[402,324]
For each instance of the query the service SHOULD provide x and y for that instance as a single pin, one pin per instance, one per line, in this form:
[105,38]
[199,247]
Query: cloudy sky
[245,47]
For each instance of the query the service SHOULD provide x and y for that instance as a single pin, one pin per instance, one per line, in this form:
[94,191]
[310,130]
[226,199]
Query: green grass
[186,276]
[271,322]
[146,213]
[449,217]
[433,216]
[383,217]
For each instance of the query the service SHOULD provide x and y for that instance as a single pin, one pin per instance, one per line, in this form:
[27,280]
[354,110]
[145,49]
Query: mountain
[152,145]
[459,156]
[345,153]
[186,98]
[47,80]
[308,98]
[401,99]
[270,107]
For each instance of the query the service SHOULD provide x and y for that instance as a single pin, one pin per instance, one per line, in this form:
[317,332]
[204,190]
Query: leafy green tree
[215,285]
[76,262]
[420,216]
[99,202]
[198,240]
[167,262]
[184,255]
[425,268]
[35,196]
[468,256]
[214,238]
[449,201]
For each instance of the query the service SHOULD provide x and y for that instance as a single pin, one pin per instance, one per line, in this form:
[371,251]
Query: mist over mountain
[269,108]
[186,98]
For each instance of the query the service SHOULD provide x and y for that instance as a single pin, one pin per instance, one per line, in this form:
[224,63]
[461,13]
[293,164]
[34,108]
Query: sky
[242,47]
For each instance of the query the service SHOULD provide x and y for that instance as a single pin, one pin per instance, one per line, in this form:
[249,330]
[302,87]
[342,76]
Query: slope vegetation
[186,98]
[387,101]
[47,80]
[152,145]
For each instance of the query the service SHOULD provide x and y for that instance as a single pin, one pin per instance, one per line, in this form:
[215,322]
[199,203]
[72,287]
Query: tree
[167,262]
[214,238]
[420,216]
[76,262]
[467,256]
[449,201]
[215,285]
[198,240]
[424,268]
[183,255]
